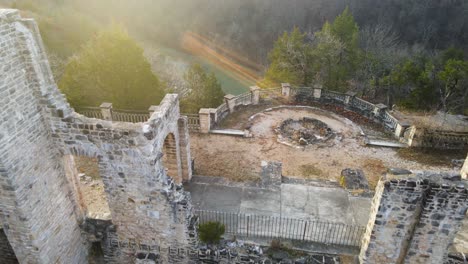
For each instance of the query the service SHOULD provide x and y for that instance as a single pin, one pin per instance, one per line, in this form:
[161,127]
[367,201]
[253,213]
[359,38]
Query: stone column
[415,137]
[184,144]
[153,109]
[285,89]
[349,97]
[106,110]
[464,171]
[205,120]
[400,129]
[213,116]
[255,92]
[379,109]
[230,102]
[271,174]
[317,91]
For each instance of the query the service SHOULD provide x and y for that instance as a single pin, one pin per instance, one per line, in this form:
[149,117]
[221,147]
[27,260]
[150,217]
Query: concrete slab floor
[291,201]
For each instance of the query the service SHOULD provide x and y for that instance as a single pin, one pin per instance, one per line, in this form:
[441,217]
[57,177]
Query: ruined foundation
[415,220]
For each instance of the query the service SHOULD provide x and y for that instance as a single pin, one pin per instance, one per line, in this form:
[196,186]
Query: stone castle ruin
[142,165]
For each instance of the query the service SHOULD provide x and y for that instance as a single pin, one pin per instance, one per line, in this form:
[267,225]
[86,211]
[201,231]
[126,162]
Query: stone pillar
[379,109]
[205,120]
[213,116]
[255,92]
[106,110]
[271,174]
[464,171]
[230,102]
[400,129]
[285,89]
[349,97]
[184,145]
[415,137]
[153,109]
[317,91]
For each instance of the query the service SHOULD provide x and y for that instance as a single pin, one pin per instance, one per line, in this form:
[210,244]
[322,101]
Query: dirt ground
[91,188]
[239,158]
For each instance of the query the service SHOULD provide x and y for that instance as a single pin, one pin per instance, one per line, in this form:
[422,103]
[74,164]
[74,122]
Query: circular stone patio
[239,159]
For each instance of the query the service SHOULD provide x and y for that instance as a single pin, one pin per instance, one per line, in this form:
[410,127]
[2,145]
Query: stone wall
[438,139]
[38,213]
[375,206]
[39,206]
[416,221]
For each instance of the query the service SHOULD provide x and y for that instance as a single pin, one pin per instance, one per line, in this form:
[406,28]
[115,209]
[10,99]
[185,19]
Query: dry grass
[347,259]
[234,168]
[373,169]
[310,171]
[431,157]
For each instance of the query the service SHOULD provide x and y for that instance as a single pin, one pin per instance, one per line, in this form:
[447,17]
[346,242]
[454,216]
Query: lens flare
[230,62]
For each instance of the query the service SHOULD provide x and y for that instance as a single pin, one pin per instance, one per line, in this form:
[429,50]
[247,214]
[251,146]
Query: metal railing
[131,116]
[271,227]
[91,112]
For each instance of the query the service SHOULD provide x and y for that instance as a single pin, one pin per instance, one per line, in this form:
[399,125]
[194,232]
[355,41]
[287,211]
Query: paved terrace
[299,201]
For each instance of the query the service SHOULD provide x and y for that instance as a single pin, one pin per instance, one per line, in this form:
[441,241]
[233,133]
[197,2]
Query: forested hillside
[411,52]
[252,26]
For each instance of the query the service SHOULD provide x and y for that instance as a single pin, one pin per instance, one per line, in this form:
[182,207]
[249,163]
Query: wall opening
[7,255]
[170,158]
[84,174]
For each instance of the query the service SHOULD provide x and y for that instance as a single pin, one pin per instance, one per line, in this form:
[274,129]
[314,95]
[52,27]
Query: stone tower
[141,164]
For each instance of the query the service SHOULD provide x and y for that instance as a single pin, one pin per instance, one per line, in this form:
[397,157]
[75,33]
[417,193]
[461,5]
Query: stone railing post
[213,116]
[230,102]
[152,109]
[317,91]
[400,128]
[106,110]
[349,97]
[255,93]
[285,89]
[205,120]
[379,109]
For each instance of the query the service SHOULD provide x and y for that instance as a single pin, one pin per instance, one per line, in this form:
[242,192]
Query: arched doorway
[170,158]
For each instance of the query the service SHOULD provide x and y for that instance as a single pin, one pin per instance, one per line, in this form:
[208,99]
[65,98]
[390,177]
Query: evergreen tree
[289,60]
[336,51]
[205,90]
[112,68]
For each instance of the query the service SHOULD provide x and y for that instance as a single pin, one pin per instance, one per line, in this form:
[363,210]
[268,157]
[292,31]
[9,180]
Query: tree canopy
[111,67]
[204,90]
[374,65]
[330,56]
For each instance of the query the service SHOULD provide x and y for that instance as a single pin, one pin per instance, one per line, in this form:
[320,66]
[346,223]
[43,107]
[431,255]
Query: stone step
[229,132]
[385,143]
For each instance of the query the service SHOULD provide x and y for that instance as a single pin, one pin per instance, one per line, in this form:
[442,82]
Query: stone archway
[170,158]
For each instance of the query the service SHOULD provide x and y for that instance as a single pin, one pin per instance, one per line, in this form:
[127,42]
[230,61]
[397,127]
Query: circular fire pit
[303,132]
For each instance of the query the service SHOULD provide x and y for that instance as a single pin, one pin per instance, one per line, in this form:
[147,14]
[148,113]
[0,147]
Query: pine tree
[112,68]
[205,90]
